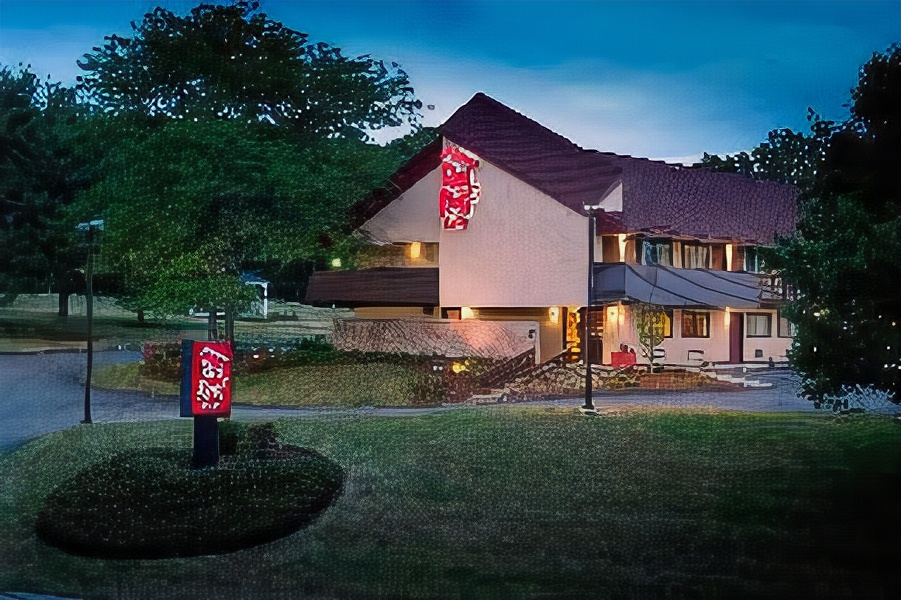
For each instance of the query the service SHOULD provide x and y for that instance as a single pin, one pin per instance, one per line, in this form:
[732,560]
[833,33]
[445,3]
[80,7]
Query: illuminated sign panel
[459,188]
[206,379]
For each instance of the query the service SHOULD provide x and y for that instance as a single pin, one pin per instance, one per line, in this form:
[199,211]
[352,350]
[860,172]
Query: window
[695,324]
[695,256]
[759,325]
[786,327]
[753,260]
[663,328]
[667,325]
[655,253]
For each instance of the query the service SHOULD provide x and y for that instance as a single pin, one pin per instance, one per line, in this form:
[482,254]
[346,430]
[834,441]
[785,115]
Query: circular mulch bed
[152,504]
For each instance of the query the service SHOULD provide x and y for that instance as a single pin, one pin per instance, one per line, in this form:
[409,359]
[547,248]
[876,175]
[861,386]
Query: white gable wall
[522,248]
[413,217]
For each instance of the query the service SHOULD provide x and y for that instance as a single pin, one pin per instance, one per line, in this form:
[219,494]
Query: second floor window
[655,253]
[753,260]
[695,256]
[695,324]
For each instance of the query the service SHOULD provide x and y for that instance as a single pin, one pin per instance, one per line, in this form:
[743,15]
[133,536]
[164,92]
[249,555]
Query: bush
[151,504]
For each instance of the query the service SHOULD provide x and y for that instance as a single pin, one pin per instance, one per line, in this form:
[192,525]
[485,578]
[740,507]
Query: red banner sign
[211,379]
[459,188]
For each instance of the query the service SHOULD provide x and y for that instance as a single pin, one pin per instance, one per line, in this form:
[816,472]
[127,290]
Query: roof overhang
[677,288]
[383,286]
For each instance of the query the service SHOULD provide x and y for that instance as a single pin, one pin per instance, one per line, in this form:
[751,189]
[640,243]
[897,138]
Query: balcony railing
[773,289]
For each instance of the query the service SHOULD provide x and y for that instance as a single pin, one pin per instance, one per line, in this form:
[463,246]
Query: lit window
[695,324]
[655,253]
[695,256]
[759,325]
[664,326]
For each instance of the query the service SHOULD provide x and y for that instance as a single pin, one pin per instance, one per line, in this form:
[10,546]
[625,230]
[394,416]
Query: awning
[382,286]
[666,286]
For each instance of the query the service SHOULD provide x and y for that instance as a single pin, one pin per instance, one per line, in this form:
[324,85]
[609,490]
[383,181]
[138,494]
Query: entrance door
[736,337]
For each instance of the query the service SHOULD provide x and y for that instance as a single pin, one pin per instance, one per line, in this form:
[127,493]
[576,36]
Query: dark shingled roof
[657,197]
[531,152]
[663,198]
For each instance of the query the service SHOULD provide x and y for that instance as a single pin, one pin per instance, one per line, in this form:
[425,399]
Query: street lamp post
[89,227]
[586,351]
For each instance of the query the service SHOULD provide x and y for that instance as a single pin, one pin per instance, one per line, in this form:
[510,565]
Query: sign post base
[206,442]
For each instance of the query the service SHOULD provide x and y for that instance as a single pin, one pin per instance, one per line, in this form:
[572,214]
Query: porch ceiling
[665,286]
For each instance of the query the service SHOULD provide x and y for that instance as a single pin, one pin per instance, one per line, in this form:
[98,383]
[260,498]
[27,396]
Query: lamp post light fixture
[588,407]
[90,227]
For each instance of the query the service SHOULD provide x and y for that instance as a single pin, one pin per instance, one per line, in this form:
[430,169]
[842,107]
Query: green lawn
[524,503]
[338,385]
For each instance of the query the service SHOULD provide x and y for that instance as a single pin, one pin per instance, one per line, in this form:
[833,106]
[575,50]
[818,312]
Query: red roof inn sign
[206,379]
[459,188]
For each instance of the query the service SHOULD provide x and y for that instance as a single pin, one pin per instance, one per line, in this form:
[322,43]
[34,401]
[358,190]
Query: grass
[523,503]
[338,385]
[127,376]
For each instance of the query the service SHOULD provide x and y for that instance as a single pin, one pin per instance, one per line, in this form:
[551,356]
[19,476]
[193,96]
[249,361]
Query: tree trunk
[212,331]
[230,324]
[63,303]
[140,316]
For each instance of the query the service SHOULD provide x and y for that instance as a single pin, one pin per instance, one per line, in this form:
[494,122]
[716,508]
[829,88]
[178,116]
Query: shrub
[151,504]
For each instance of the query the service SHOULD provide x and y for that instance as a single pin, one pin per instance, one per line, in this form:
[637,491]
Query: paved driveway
[45,392]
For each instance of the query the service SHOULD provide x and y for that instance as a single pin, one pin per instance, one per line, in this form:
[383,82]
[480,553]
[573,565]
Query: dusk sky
[658,79]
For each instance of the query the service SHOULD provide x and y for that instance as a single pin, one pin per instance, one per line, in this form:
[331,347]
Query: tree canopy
[843,261]
[236,144]
[233,62]
[40,174]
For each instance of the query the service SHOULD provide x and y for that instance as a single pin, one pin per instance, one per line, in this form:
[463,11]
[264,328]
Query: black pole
[206,428]
[587,350]
[89,294]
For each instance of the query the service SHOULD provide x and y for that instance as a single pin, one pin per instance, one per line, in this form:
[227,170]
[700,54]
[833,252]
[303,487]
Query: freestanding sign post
[206,369]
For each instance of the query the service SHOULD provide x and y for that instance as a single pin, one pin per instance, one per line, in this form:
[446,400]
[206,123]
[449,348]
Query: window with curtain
[695,324]
[656,253]
[695,256]
[758,325]
[753,260]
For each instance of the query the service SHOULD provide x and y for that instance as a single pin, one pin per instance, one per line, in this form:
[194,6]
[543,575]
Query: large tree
[189,206]
[241,143]
[843,261]
[41,170]
[234,62]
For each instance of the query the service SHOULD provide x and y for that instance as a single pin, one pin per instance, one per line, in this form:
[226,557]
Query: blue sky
[659,79]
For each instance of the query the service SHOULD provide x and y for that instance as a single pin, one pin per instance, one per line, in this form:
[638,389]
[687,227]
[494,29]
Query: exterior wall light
[415,250]
[553,314]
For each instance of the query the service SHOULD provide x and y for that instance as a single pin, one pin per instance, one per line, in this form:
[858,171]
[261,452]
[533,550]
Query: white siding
[413,217]
[522,248]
